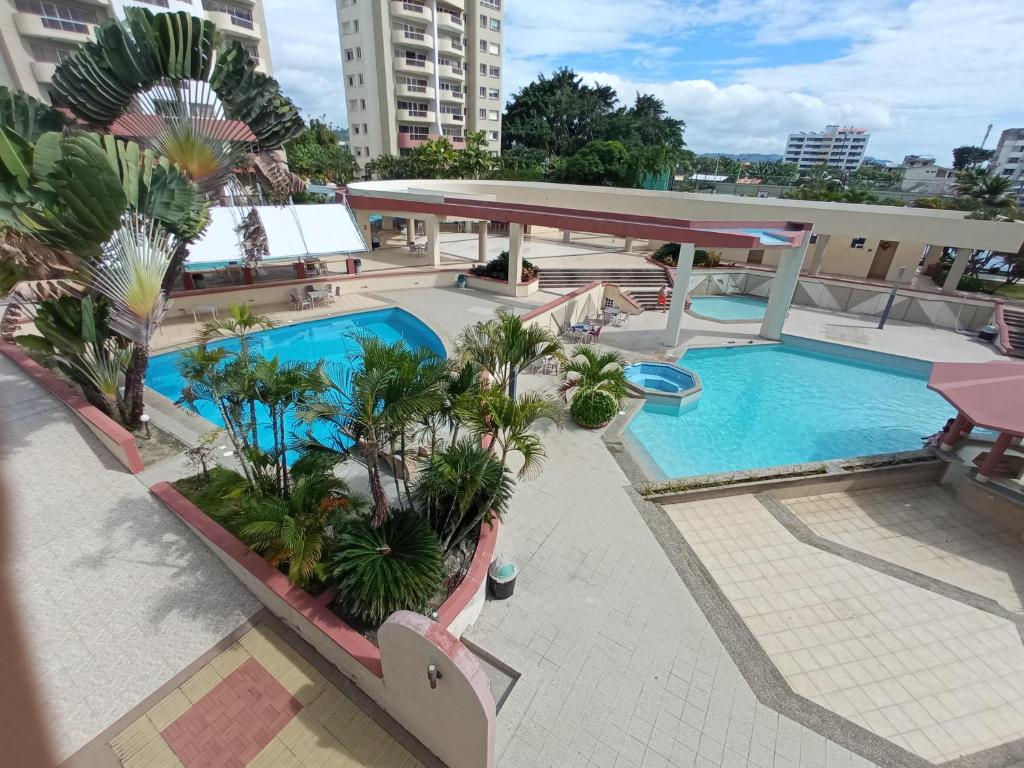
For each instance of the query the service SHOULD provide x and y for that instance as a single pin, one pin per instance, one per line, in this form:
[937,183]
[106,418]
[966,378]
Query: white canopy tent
[293,232]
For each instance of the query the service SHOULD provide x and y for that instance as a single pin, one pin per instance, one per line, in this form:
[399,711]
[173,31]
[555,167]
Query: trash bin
[359,265]
[461,281]
[502,578]
[988,333]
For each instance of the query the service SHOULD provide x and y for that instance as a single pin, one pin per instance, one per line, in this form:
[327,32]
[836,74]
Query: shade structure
[293,232]
[990,395]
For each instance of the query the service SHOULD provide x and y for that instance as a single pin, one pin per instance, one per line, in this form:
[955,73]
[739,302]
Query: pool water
[664,378]
[770,405]
[330,339]
[729,307]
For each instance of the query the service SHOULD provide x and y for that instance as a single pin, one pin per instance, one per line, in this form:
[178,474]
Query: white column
[433,225]
[628,247]
[410,231]
[515,253]
[933,256]
[818,258]
[780,295]
[963,256]
[567,236]
[674,327]
[363,220]
[481,241]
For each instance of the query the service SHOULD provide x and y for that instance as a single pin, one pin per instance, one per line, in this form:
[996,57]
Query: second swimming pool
[728,307]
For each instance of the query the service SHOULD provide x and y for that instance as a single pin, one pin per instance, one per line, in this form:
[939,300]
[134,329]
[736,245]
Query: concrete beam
[780,295]
[674,326]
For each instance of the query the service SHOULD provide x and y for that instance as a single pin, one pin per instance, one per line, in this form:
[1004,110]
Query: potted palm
[597,381]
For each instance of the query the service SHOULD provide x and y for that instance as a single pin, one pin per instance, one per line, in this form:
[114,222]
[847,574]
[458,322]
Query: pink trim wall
[1004,330]
[560,301]
[116,438]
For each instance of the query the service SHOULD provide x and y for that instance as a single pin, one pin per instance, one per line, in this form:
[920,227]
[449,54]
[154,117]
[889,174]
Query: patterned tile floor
[923,528]
[262,705]
[936,677]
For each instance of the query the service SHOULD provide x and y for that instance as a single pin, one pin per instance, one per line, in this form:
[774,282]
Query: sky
[922,76]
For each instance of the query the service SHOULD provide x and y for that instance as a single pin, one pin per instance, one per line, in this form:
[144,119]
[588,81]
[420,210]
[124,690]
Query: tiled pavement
[619,666]
[116,595]
[923,528]
[935,676]
[257,704]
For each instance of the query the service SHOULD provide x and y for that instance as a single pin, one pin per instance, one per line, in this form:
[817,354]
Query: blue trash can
[462,280]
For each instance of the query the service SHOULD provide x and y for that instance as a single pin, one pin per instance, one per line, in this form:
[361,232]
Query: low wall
[501,287]
[560,314]
[118,440]
[455,721]
[838,295]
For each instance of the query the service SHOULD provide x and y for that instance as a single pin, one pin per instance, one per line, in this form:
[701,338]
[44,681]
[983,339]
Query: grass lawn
[1015,291]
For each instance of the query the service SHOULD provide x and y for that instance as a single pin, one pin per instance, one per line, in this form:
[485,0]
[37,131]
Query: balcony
[415,66]
[415,91]
[411,141]
[60,30]
[452,47]
[447,70]
[414,115]
[234,26]
[43,72]
[411,11]
[449,118]
[460,4]
[457,96]
[449,22]
[411,39]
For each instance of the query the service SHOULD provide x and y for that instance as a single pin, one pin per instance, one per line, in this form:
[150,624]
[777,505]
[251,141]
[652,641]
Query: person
[933,441]
[663,298]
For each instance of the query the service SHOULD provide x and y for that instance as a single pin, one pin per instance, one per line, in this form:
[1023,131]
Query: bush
[668,255]
[968,283]
[396,566]
[498,269]
[593,408]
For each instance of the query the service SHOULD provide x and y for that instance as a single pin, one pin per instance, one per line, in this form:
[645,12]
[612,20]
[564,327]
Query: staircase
[644,277]
[645,298]
[1014,321]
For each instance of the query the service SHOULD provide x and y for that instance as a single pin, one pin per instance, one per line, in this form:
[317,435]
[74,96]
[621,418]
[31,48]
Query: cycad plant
[380,568]
[505,345]
[597,381]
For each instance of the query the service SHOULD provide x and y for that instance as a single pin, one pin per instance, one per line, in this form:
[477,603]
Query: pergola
[790,238]
[987,395]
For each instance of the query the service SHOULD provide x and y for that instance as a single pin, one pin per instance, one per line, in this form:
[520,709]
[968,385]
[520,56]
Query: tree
[987,195]
[387,167]
[504,345]
[474,161]
[967,157]
[317,155]
[605,163]
[597,381]
[241,323]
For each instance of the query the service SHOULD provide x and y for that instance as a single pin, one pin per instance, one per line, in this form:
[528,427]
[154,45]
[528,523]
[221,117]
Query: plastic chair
[300,302]
[594,334]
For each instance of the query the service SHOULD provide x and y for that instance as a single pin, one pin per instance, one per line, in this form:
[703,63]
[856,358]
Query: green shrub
[497,268]
[668,255]
[968,283]
[593,408]
[395,566]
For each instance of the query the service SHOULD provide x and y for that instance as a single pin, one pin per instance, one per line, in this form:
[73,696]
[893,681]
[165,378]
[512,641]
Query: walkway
[116,595]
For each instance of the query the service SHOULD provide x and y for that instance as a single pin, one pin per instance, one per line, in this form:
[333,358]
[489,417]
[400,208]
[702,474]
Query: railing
[415,8]
[414,35]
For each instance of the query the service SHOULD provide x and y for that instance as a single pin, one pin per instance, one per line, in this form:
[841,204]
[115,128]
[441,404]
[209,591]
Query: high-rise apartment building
[37,35]
[1008,161]
[420,69]
[841,148]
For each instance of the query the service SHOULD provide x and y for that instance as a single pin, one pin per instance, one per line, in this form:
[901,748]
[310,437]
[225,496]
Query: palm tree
[241,324]
[505,345]
[991,196]
[294,530]
[598,383]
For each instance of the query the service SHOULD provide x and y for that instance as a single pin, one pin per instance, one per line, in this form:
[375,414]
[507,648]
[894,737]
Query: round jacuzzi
[662,383]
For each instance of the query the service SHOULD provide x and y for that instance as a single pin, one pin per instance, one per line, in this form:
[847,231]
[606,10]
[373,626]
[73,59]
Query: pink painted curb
[314,609]
[93,417]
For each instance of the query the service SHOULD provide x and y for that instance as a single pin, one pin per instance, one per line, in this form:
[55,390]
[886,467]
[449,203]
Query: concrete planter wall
[501,287]
[455,721]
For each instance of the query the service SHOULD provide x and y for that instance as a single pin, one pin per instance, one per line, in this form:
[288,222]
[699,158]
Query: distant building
[921,176]
[841,148]
[1008,160]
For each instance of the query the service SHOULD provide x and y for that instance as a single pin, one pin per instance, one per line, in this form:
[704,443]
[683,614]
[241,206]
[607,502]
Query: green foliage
[967,157]
[593,408]
[317,156]
[497,268]
[504,345]
[668,254]
[968,283]
[379,569]
[461,487]
[599,162]
[28,117]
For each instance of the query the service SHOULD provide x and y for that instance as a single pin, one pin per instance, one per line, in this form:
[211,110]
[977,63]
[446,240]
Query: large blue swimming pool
[770,405]
[330,339]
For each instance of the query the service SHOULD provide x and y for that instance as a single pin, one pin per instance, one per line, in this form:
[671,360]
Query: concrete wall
[501,287]
[560,314]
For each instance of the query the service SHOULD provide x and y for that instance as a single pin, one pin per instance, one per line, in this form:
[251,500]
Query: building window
[60,17]
[355,128]
[353,105]
[350,54]
[483,21]
[496,4]
[483,92]
[494,71]
[858,242]
[493,135]
[360,78]
[52,54]
[495,25]
[492,114]
[492,93]
[351,80]
[359,52]
[415,131]
[483,70]
[366,151]
[359,152]
[483,114]
[240,17]
[362,103]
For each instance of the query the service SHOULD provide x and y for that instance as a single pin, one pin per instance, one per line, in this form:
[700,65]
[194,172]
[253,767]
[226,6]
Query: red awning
[991,395]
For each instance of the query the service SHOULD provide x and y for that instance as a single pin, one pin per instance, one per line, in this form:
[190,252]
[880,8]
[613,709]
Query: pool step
[1014,321]
[625,278]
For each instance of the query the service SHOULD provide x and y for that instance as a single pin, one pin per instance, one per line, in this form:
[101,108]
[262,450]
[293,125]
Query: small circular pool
[728,308]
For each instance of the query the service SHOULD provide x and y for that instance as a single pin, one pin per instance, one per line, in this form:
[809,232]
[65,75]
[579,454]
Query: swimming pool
[775,404]
[728,307]
[330,339]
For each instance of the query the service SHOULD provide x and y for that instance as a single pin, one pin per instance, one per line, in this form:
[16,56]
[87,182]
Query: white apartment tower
[841,148]
[37,35]
[420,69]
[1008,161]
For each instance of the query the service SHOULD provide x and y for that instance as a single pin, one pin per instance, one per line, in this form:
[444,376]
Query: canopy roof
[991,394]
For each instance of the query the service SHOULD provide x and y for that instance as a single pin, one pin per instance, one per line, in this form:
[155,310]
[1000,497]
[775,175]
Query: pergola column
[674,327]
[933,256]
[566,235]
[963,257]
[433,226]
[481,241]
[818,256]
[961,424]
[410,231]
[995,455]
[780,295]
[363,220]
[628,247]
[515,253]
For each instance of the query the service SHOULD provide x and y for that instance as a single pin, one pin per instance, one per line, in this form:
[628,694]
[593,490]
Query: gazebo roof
[991,394]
